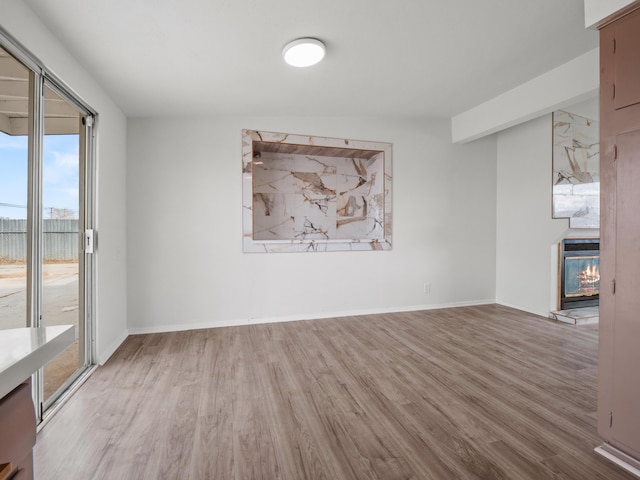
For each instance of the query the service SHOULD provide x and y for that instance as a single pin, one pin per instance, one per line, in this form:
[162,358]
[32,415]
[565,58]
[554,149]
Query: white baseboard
[524,309]
[620,458]
[293,318]
[104,355]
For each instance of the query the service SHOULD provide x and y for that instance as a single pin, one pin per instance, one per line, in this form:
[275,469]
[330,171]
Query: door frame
[39,78]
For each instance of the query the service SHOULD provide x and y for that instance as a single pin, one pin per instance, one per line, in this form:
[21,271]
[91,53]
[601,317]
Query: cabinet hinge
[615,152]
[614,90]
[614,45]
[610,419]
[613,286]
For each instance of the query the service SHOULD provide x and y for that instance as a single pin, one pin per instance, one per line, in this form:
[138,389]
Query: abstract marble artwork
[576,170]
[303,193]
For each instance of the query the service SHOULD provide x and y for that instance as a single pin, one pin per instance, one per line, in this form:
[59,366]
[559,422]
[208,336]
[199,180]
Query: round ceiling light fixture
[303,52]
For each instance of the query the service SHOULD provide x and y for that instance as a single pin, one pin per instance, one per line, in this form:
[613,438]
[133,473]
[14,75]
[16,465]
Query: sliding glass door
[46,216]
[63,224]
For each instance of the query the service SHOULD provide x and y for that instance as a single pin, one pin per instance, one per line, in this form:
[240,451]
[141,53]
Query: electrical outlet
[427,288]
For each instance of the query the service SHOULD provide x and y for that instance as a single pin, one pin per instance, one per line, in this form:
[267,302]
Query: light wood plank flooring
[482,392]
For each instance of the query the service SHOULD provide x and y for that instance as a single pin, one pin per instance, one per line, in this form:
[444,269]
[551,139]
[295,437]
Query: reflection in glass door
[14,97]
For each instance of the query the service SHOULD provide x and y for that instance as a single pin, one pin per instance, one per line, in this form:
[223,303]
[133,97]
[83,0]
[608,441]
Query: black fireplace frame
[576,247]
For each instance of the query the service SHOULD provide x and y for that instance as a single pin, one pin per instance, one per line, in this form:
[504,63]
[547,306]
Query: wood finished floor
[483,392]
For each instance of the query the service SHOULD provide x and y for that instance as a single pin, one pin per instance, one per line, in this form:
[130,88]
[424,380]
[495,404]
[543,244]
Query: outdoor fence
[60,240]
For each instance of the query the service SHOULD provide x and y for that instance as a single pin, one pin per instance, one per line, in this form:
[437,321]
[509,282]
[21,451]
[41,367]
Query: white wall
[20,22]
[525,230]
[186,267]
[589,108]
[597,10]
[527,236]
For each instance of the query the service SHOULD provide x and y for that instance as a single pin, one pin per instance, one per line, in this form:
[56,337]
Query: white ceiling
[408,58]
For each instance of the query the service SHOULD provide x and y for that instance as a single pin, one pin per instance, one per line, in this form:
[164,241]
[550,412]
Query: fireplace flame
[589,278]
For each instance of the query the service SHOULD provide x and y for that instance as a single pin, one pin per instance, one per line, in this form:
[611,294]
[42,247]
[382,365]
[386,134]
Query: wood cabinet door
[625,422]
[627,65]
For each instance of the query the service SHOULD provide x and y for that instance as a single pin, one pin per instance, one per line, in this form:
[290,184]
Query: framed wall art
[306,193]
[576,169]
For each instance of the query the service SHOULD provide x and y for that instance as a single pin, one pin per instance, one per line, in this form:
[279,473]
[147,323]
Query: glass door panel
[62,223]
[46,183]
[14,108]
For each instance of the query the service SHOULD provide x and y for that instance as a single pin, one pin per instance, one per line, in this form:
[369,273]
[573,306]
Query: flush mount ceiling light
[303,52]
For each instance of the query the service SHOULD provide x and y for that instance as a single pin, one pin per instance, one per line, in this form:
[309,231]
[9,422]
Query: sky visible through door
[60,176]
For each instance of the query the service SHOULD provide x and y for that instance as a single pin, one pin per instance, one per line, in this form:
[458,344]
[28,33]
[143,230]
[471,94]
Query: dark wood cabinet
[619,355]
[17,433]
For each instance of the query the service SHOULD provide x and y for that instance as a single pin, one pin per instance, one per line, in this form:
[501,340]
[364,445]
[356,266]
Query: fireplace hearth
[579,273]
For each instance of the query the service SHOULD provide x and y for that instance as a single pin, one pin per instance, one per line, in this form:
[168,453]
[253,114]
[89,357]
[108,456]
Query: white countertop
[25,350]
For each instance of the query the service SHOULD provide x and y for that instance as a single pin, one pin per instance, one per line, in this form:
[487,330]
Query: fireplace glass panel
[582,276]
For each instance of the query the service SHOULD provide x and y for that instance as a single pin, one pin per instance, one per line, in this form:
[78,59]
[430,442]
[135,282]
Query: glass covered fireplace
[579,273]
